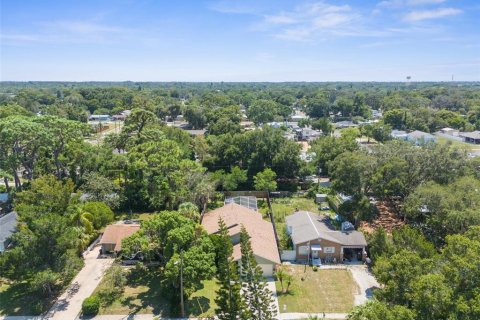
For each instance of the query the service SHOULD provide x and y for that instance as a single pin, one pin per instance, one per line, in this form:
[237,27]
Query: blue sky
[244,40]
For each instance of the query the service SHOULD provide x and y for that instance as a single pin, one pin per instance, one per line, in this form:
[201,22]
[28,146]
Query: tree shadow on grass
[154,298]
[17,299]
[197,306]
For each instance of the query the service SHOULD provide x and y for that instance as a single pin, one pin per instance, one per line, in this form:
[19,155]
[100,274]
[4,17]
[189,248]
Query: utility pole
[182,306]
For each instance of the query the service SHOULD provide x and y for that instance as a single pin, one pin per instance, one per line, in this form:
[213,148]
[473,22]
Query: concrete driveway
[366,283]
[69,304]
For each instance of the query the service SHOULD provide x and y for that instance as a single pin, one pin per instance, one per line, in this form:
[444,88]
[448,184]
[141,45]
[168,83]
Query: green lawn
[144,294]
[326,290]
[460,144]
[16,299]
[134,216]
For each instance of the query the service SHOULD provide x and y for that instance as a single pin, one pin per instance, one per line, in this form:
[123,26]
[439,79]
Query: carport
[353,253]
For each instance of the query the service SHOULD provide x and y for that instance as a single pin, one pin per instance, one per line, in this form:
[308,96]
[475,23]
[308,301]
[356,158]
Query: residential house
[399,134]
[298,117]
[420,137]
[314,238]
[307,134]
[345,124]
[262,235]
[111,241]
[449,131]
[320,197]
[471,137]
[99,117]
[8,225]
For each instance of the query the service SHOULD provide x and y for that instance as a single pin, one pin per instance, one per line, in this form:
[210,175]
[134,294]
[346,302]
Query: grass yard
[460,144]
[326,290]
[143,294]
[142,216]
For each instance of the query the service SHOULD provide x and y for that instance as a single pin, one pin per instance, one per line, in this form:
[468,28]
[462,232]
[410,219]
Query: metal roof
[246,201]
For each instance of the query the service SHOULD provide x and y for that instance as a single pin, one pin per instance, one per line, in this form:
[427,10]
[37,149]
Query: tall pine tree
[256,296]
[228,297]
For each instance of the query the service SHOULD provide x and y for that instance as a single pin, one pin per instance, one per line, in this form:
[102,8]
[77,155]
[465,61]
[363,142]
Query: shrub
[37,307]
[91,305]
[102,214]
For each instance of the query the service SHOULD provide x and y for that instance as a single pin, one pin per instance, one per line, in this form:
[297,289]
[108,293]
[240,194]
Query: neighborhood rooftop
[309,226]
[115,233]
[261,232]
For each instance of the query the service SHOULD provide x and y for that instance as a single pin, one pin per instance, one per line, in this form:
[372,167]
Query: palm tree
[281,274]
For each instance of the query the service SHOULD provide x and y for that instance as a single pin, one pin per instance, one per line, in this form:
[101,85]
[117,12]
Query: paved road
[366,283]
[69,304]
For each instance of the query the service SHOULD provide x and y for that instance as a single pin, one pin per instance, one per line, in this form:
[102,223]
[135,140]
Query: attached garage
[267,270]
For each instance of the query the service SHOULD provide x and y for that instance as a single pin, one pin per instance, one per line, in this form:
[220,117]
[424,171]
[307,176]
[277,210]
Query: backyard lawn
[143,294]
[326,290]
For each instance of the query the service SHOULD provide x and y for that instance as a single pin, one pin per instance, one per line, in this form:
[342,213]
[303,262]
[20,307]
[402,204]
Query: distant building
[298,117]
[376,114]
[420,137]
[99,117]
[306,134]
[399,134]
[345,124]
[449,131]
[320,197]
[471,137]
[8,226]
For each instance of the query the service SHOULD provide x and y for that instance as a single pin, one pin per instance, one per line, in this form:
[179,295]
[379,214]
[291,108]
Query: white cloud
[431,14]
[405,3]
[67,31]
[82,27]
[311,20]
[423,2]
[280,19]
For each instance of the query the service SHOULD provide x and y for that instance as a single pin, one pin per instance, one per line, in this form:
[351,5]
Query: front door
[315,254]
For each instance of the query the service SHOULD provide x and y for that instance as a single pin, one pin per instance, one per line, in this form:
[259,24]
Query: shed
[320,197]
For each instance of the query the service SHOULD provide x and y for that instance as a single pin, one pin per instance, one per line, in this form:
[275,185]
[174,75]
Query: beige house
[314,238]
[262,236]
[113,235]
